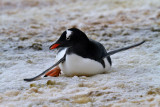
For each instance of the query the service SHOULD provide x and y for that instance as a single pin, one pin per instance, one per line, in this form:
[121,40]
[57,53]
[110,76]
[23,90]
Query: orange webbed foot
[54,72]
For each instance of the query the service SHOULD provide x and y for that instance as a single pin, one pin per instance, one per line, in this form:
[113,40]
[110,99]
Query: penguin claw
[54,72]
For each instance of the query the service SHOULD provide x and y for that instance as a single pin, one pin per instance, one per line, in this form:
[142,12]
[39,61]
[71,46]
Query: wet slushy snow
[29,27]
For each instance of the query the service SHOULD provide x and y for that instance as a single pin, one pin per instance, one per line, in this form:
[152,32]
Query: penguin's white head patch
[68,34]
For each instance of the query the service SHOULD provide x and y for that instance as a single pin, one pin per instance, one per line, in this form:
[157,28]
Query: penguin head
[69,38]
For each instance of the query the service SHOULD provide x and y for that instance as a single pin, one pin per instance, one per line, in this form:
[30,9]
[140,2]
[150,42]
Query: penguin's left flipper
[36,77]
[54,72]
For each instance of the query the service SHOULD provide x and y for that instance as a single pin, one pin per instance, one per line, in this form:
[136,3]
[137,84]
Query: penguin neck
[82,41]
[79,48]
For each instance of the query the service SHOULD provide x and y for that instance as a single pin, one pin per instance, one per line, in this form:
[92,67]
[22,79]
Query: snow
[28,28]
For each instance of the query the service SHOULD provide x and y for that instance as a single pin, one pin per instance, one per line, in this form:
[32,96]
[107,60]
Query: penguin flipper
[36,77]
[123,49]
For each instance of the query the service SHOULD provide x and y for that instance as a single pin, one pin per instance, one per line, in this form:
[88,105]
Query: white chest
[77,65]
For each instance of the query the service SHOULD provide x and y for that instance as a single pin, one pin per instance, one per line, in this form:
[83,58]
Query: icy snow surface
[29,27]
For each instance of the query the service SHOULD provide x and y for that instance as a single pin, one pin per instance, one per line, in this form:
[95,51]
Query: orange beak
[53,46]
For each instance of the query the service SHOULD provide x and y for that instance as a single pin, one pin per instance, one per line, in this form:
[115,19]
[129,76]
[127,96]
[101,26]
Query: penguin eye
[68,34]
[68,38]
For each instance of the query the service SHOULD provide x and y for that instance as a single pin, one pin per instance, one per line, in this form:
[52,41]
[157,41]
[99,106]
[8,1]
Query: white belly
[77,65]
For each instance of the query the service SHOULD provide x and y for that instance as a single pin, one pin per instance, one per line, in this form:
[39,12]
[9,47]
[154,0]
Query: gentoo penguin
[78,55]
